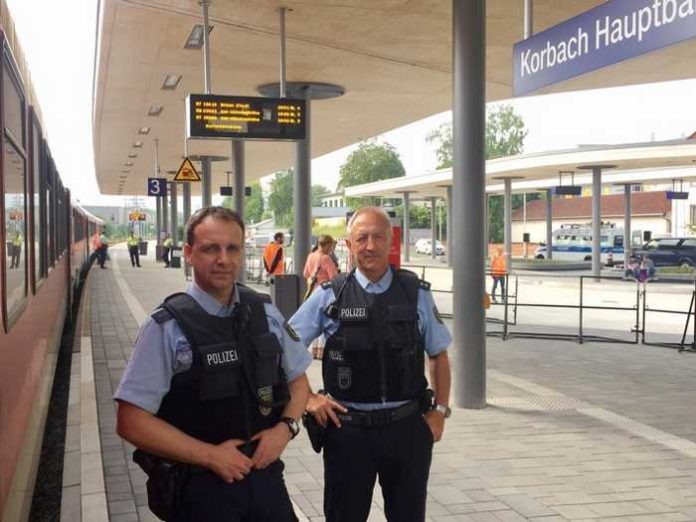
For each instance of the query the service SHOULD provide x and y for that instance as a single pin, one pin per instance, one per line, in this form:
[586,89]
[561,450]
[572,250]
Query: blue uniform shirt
[161,351]
[310,321]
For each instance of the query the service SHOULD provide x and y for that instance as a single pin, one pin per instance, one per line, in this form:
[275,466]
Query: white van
[573,242]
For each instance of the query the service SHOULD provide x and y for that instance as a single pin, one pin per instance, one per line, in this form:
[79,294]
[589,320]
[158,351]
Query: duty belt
[378,418]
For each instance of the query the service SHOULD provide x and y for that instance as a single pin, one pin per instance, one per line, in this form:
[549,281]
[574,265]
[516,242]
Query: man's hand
[228,462]
[324,408]
[272,442]
[436,423]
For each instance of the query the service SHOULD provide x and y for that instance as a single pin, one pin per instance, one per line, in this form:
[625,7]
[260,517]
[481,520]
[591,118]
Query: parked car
[671,251]
[425,246]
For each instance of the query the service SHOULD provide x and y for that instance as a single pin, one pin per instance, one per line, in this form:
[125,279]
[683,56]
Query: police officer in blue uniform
[379,325]
[213,390]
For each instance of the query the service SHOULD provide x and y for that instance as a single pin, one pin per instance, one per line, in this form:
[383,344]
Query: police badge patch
[291,332]
[266,396]
[344,378]
[436,312]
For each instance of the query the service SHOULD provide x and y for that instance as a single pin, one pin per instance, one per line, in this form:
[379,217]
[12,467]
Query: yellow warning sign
[187,172]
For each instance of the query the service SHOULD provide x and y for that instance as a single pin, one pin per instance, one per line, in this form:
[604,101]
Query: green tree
[372,161]
[254,203]
[281,201]
[505,134]
[317,192]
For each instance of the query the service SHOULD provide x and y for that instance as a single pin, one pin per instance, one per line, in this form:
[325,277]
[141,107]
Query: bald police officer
[379,324]
[214,388]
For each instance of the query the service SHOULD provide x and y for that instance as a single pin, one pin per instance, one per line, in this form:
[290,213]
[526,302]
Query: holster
[315,431]
[165,484]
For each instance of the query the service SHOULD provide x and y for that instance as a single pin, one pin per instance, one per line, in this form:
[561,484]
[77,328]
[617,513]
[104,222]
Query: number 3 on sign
[157,187]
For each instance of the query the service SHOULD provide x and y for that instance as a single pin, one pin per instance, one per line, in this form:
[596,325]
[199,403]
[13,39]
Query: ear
[188,250]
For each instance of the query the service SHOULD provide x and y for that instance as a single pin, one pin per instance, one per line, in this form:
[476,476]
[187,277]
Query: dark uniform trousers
[260,497]
[399,453]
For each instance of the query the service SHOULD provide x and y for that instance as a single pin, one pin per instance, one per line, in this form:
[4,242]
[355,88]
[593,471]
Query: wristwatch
[292,426]
[445,410]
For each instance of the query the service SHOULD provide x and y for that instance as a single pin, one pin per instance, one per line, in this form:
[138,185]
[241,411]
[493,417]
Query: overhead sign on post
[247,117]
[187,172]
[610,33]
[157,187]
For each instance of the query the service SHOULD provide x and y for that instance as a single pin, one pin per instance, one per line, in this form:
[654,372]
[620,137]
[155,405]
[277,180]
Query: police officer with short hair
[379,324]
[214,389]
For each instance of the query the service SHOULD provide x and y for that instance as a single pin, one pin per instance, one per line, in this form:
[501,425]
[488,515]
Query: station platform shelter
[592,431]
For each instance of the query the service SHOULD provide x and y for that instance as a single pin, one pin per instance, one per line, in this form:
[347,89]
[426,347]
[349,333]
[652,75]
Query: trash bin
[175,257]
[143,248]
[286,293]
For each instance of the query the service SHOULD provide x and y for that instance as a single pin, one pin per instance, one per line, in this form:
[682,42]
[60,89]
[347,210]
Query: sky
[58,40]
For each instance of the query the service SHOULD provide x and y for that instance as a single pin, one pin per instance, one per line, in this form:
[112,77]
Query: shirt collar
[211,305]
[374,288]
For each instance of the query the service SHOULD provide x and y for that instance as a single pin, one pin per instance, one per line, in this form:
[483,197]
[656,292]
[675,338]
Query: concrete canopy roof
[633,163]
[393,57]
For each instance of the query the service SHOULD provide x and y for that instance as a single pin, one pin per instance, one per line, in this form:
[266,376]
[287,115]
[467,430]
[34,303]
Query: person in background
[103,247]
[166,249]
[318,269]
[498,273]
[133,250]
[273,255]
[16,249]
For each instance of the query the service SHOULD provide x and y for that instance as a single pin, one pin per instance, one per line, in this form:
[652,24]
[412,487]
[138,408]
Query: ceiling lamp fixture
[171,81]
[144,130]
[137,144]
[195,39]
[155,110]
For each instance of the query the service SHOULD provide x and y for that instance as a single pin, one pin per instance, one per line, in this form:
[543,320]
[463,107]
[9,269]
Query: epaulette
[327,284]
[423,284]
[162,315]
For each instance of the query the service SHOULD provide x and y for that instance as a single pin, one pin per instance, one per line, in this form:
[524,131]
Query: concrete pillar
[628,244]
[449,226]
[433,225]
[158,219]
[239,185]
[175,213]
[303,193]
[468,176]
[407,227]
[186,186]
[507,221]
[549,224]
[165,211]
[206,189]
[596,221]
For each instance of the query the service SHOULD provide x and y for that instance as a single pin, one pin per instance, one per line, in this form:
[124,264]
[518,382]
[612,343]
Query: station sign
[567,190]
[245,117]
[157,187]
[672,194]
[612,32]
[229,191]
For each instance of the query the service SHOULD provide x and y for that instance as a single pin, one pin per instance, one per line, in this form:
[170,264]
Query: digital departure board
[247,117]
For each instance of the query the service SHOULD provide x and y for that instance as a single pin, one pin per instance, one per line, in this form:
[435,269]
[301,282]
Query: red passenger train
[45,245]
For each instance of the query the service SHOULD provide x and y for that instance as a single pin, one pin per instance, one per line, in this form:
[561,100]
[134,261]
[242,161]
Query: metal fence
[584,308]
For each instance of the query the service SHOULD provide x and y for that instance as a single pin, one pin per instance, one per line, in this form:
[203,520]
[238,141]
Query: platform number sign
[157,187]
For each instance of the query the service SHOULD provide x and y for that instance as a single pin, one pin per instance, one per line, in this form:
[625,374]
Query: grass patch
[675,270]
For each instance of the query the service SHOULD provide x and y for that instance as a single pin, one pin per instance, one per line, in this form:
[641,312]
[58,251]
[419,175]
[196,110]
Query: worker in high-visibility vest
[498,272]
[133,250]
[166,249]
[17,241]
[273,255]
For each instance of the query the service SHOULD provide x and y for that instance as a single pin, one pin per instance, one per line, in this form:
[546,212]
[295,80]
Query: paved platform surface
[572,432]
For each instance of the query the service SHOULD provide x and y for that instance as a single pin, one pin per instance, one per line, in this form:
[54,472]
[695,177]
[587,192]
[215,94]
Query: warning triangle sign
[187,172]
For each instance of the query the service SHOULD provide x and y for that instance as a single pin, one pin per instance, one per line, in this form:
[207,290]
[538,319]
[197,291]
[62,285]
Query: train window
[13,104]
[15,230]
[49,206]
[36,202]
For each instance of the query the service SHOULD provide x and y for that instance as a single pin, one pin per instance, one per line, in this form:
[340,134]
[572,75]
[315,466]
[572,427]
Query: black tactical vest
[377,354]
[235,386]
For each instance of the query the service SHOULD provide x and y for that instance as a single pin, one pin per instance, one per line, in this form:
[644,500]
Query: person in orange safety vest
[498,272]
[273,255]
